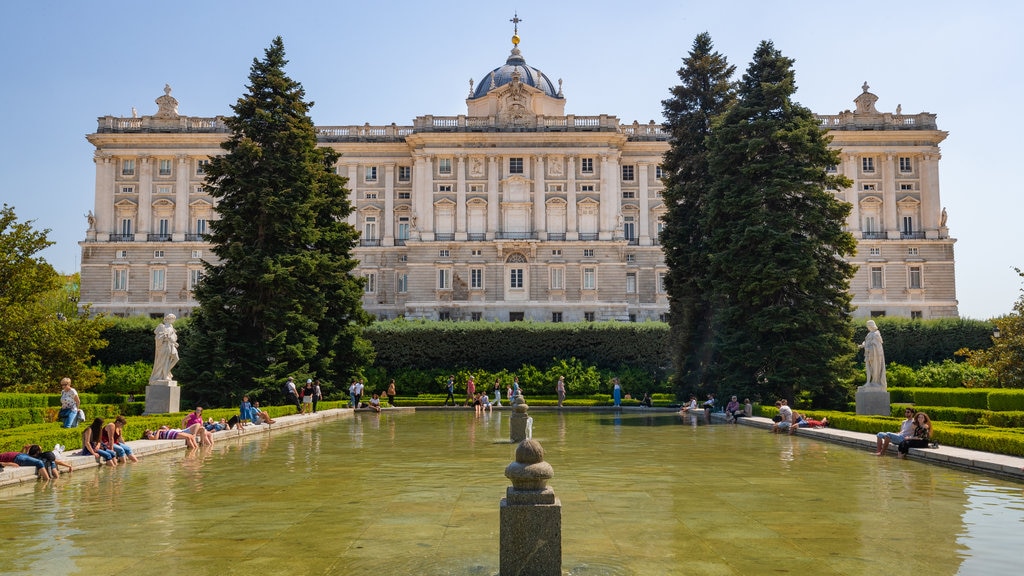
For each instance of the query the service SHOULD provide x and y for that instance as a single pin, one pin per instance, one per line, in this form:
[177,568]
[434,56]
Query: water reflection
[403,493]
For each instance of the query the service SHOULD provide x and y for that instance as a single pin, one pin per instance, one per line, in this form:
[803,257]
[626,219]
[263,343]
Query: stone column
[493,205]
[538,198]
[609,195]
[104,197]
[531,517]
[931,210]
[388,224]
[643,215]
[181,199]
[353,183]
[890,215]
[460,199]
[144,222]
[853,195]
[571,232]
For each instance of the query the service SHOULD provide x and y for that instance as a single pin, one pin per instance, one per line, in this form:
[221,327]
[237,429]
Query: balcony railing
[633,241]
[194,237]
[918,235]
[560,237]
[588,236]
[515,235]
[400,241]
[122,237]
[873,235]
[158,237]
[369,242]
[476,236]
[444,237]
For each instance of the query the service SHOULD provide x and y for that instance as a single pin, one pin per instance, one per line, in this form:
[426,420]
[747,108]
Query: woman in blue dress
[616,392]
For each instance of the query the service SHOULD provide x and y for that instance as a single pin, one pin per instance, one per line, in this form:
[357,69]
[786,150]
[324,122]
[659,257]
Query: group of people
[306,398]
[915,432]
[788,420]
[480,399]
[47,463]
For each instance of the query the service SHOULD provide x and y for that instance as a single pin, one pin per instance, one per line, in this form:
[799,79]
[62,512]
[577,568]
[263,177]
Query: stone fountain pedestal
[873,399]
[163,397]
[520,422]
[531,517]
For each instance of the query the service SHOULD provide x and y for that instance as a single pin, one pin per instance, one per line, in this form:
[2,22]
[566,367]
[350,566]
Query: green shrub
[126,378]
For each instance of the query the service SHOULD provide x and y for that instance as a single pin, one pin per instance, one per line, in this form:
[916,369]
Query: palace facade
[515,210]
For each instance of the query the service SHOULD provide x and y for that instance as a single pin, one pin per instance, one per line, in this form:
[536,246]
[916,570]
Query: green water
[418,493]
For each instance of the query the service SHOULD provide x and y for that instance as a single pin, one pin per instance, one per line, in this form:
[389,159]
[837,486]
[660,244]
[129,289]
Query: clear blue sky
[67,62]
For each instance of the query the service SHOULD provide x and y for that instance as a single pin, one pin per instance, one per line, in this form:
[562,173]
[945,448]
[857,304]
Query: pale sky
[68,62]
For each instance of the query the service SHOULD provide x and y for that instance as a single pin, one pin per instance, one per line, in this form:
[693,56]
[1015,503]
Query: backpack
[284,389]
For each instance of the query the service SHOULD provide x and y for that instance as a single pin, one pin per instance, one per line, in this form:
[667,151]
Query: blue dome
[503,75]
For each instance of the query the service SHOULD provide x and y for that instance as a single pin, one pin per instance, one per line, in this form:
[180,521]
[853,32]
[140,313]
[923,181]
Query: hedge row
[25,400]
[994,399]
[13,417]
[918,342]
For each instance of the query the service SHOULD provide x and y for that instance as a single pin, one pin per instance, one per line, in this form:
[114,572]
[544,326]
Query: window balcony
[369,242]
[633,241]
[476,236]
[560,237]
[918,235]
[122,237]
[158,237]
[588,236]
[400,241]
[194,237]
[874,235]
[515,235]
[444,237]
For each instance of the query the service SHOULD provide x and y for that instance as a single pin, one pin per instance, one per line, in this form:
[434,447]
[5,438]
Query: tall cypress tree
[282,300]
[705,91]
[778,280]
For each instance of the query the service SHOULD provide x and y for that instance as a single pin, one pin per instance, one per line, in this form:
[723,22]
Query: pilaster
[145,215]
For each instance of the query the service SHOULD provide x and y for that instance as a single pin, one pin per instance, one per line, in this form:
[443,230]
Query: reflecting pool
[418,493]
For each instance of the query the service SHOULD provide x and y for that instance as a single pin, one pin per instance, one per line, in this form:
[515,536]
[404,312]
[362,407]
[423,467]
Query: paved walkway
[974,460]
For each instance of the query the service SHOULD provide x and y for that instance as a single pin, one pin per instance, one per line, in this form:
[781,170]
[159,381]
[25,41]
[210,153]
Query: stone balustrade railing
[886,121]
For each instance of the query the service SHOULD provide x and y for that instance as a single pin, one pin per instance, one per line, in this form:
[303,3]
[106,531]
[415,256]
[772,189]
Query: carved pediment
[515,104]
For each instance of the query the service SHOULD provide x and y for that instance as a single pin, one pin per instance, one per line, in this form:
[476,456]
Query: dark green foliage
[704,92]
[130,340]
[126,378]
[777,282]
[447,346]
[915,343]
[282,301]
[948,374]
[38,347]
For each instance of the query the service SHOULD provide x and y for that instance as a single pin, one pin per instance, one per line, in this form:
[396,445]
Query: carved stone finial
[865,86]
[529,471]
[559,86]
[471,87]
[168,105]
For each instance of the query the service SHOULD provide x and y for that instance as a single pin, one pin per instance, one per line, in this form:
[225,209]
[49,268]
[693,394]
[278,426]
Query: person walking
[616,393]
[390,393]
[70,404]
[291,394]
[470,391]
[497,392]
[318,394]
[307,396]
[451,390]
[560,390]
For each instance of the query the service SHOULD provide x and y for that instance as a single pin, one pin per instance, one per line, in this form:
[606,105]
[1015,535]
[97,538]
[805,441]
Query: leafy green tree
[282,300]
[1006,356]
[704,92]
[42,339]
[777,280]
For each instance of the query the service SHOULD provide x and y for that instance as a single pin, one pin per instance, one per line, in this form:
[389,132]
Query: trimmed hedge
[918,342]
[994,399]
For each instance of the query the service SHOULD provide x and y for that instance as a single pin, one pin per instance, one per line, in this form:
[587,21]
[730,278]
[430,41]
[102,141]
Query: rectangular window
[831,169]
[906,186]
[403,228]
[165,167]
[876,278]
[628,194]
[557,278]
[587,165]
[631,283]
[444,188]
[588,316]
[402,283]
[444,279]
[874,251]
[659,172]
[404,195]
[915,277]
[867,164]
[370,228]
[122,254]
[158,278]
[120,279]
[515,278]
[627,173]
[590,278]
[476,278]
[403,257]
[127,189]
[630,258]
[404,173]
[916,315]
[476,316]
[556,252]
[197,254]
[370,174]
[201,167]
[661,282]
[588,252]
[868,187]
[163,189]
[913,252]
[476,188]
[905,165]
[370,286]
[163,227]
[878,313]
[586,188]
[128,167]
[908,224]
[195,276]
[870,224]
[444,253]
[515,165]
[126,226]
[556,316]
[554,187]
[158,253]
[476,252]
[200,225]
[629,228]
[444,166]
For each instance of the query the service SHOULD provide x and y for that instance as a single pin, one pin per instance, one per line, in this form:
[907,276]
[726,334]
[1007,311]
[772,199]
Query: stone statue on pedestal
[874,356]
[166,355]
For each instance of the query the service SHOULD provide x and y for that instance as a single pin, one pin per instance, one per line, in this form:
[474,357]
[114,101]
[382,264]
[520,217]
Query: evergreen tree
[778,282]
[282,300]
[43,337]
[704,91]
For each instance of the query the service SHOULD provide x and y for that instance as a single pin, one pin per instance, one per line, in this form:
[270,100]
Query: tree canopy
[281,301]
[1006,355]
[43,337]
[768,259]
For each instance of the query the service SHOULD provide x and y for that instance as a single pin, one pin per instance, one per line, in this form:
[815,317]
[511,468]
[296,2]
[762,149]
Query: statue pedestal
[873,399]
[163,397]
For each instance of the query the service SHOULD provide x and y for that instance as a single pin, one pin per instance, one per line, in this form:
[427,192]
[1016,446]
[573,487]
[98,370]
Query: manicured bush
[918,342]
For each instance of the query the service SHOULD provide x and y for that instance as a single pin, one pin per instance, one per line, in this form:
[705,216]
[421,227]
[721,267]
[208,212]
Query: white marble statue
[166,350]
[874,356]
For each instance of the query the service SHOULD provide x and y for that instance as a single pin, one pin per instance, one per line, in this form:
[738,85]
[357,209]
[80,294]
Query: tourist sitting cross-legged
[920,437]
[166,433]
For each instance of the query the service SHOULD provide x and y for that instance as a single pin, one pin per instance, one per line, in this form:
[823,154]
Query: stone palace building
[515,210]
